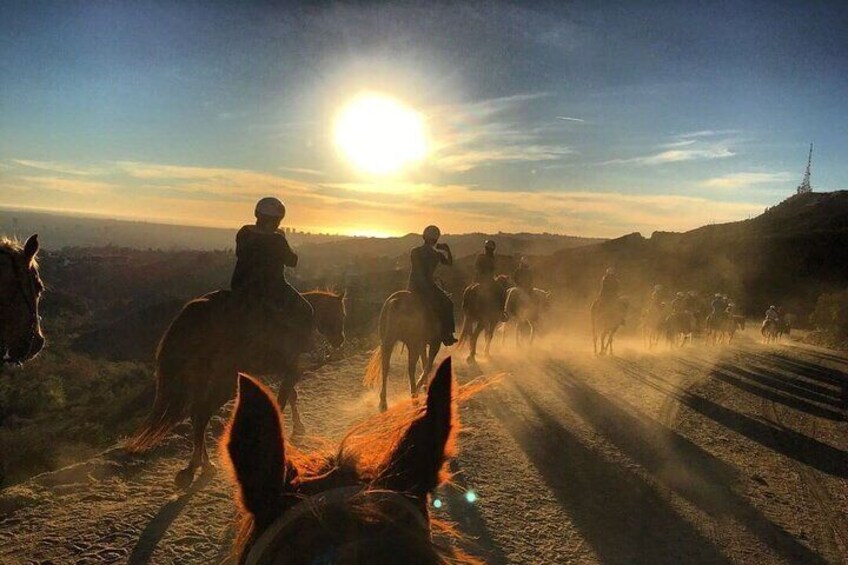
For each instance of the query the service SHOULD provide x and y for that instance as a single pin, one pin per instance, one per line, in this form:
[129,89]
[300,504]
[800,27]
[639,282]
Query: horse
[773,330]
[201,353]
[653,323]
[679,328]
[607,317]
[525,310]
[407,319]
[20,292]
[722,329]
[366,502]
[483,312]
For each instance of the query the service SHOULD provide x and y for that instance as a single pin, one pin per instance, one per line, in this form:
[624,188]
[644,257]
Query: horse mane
[13,245]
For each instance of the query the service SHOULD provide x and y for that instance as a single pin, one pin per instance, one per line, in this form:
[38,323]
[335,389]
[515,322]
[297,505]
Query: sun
[380,135]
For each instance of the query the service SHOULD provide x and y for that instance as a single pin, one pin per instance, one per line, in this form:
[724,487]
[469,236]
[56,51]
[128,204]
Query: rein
[312,504]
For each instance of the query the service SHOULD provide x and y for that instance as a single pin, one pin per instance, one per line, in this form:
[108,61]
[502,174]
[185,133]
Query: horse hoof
[184,479]
[470,360]
[298,430]
[383,406]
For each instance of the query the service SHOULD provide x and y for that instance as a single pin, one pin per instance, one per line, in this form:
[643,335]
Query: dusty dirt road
[705,455]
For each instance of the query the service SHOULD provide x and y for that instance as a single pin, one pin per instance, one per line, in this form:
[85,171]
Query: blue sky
[582,118]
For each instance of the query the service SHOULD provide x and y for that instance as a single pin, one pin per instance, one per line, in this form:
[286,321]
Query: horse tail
[183,341]
[170,406]
[374,370]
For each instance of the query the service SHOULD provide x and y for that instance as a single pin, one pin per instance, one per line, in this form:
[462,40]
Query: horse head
[20,291]
[330,315]
[366,503]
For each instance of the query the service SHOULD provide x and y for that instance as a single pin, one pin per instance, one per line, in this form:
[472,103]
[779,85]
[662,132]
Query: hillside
[788,255]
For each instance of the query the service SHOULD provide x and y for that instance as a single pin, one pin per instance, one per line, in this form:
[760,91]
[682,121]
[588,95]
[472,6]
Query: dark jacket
[484,268]
[523,277]
[262,259]
[425,259]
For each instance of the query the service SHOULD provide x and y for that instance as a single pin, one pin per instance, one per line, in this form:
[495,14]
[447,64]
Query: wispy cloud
[302,171]
[488,132]
[693,146]
[62,168]
[570,119]
[742,180]
[73,186]
[223,196]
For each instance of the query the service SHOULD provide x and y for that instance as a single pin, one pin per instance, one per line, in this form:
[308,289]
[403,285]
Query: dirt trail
[707,455]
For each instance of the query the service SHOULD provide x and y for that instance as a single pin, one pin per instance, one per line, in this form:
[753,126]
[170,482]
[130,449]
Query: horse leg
[490,334]
[386,361]
[288,395]
[428,366]
[475,335]
[412,365]
[199,421]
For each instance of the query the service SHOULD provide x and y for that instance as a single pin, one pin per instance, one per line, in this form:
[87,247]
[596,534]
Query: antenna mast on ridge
[805,187]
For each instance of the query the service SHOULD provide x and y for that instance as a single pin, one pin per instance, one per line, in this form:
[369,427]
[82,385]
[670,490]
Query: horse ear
[255,449]
[416,464]
[31,247]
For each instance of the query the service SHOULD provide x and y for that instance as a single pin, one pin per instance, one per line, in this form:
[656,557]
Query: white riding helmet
[270,207]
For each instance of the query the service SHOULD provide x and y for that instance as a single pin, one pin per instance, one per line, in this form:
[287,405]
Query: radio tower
[805,187]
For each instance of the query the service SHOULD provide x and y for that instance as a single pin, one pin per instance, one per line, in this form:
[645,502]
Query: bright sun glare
[380,135]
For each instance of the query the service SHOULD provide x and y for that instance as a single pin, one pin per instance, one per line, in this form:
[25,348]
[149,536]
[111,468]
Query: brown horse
[20,291]
[199,357]
[404,318]
[367,502]
[607,317]
[483,312]
[525,310]
[680,328]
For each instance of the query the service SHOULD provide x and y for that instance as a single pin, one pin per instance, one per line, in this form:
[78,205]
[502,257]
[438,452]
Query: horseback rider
[484,266]
[523,276]
[425,259]
[609,286]
[772,315]
[679,303]
[259,278]
[719,306]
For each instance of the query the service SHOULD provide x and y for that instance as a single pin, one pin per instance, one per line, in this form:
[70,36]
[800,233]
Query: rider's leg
[445,307]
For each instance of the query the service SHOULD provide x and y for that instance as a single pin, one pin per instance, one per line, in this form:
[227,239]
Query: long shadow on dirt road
[161,522]
[623,518]
[785,441]
[673,460]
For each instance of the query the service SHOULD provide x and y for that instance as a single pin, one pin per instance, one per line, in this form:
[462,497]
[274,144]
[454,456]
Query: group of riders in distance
[687,314]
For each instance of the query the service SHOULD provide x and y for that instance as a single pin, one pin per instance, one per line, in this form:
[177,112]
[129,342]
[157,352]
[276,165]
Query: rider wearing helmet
[425,259]
[484,266]
[609,286]
[719,305]
[262,255]
[679,303]
[772,314]
[523,276]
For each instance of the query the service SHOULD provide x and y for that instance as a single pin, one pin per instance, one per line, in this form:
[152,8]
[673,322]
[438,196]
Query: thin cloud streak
[221,196]
[743,180]
[489,132]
